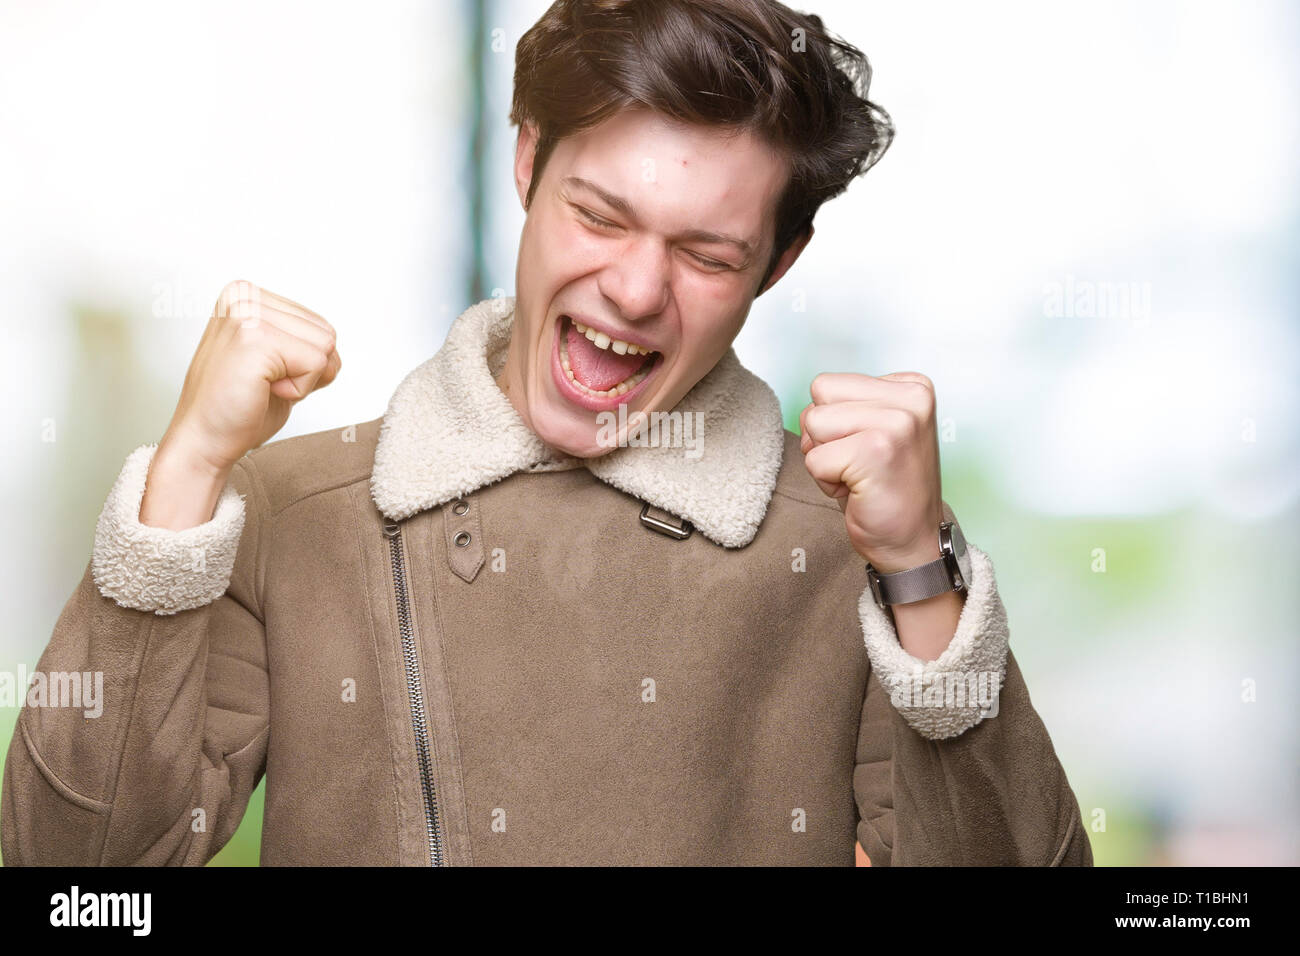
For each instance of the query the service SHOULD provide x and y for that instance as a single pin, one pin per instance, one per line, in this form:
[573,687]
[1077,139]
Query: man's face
[652,237]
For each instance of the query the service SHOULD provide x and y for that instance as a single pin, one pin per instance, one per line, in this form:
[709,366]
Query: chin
[560,431]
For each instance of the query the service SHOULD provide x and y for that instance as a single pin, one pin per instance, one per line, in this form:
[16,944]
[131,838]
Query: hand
[872,444]
[260,354]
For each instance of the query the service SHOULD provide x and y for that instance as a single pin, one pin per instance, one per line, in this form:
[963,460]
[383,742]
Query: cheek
[719,309]
[566,248]
[718,296]
[704,344]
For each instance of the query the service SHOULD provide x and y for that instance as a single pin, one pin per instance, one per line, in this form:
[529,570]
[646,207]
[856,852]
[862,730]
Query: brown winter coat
[440,643]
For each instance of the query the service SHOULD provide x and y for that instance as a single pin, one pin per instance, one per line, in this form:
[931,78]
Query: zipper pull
[391,529]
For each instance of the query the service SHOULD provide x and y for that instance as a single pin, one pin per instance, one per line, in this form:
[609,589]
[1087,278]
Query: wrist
[914,574]
[902,559]
[182,487]
[920,547]
[182,446]
[926,628]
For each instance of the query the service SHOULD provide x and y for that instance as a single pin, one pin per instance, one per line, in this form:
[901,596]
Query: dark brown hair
[745,64]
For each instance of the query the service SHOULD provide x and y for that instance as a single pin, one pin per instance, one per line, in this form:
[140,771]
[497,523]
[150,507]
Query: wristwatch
[949,572]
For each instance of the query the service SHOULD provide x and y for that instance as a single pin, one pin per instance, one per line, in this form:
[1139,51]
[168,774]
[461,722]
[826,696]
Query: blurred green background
[1085,233]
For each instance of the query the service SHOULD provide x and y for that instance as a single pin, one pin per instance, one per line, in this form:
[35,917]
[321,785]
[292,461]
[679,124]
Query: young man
[526,617]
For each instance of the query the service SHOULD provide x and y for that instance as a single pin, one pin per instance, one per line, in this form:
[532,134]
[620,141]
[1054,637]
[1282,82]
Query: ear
[525,150]
[788,258]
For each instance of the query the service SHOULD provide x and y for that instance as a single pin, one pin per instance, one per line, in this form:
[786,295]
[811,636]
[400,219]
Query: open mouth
[599,371]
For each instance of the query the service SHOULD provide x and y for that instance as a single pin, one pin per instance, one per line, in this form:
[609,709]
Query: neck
[508,380]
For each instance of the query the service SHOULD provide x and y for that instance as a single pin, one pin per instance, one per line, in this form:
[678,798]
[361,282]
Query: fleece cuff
[158,569]
[947,696]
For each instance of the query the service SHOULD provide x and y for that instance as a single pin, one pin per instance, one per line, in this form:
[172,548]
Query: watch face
[950,534]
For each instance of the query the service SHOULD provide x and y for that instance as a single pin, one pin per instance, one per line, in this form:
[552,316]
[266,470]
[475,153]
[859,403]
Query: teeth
[603,341]
[622,388]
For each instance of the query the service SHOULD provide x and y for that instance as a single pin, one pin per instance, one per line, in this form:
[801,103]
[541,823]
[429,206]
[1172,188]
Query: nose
[637,280]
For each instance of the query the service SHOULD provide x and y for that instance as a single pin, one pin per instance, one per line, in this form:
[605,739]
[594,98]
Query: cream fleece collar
[449,430]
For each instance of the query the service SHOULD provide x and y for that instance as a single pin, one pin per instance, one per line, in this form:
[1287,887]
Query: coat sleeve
[164,635]
[954,766]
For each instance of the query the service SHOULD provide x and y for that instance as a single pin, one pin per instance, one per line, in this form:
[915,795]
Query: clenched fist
[872,444]
[259,354]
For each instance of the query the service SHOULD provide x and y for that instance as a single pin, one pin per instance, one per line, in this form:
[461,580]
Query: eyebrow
[625,207]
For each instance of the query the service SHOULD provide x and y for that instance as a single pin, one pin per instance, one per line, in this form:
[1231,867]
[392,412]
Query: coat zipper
[415,692]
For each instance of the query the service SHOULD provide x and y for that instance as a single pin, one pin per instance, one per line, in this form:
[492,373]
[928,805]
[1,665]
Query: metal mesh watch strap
[914,584]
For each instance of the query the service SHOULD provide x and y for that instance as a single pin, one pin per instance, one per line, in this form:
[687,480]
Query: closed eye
[594,219]
[710,263]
